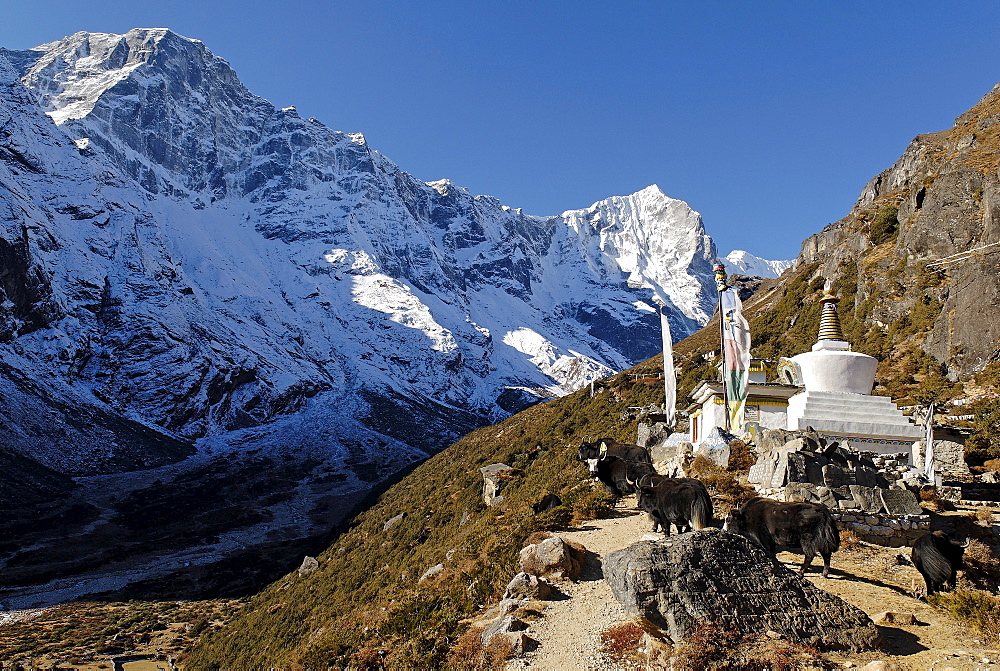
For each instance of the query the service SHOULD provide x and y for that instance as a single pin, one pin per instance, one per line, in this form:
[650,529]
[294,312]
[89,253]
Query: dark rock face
[27,302]
[715,577]
[946,191]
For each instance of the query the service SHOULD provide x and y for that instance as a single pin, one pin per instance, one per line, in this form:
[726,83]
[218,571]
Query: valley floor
[867,576]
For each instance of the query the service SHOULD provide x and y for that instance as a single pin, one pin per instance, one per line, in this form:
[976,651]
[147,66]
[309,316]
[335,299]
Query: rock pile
[713,577]
[802,466]
[552,557]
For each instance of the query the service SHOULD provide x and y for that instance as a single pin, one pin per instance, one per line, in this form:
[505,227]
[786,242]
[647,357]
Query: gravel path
[569,635]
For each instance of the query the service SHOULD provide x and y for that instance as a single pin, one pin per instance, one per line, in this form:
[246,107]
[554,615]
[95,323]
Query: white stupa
[837,400]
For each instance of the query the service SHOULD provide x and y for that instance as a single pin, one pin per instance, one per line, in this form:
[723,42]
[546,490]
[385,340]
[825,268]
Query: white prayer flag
[929,445]
[669,377]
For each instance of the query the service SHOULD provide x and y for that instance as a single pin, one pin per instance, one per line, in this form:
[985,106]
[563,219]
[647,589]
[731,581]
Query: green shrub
[885,225]
[555,518]
[984,443]
[594,504]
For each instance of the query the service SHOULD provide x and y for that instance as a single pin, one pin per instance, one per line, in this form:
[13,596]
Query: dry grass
[728,492]
[975,608]
[469,653]
[849,540]
[701,466]
[710,647]
[91,632]
[621,642]
[982,565]
[741,457]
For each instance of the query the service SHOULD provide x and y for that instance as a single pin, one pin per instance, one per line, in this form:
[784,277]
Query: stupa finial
[829,325]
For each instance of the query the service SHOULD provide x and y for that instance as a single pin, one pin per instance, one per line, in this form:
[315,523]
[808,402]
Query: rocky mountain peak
[73,73]
[238,264]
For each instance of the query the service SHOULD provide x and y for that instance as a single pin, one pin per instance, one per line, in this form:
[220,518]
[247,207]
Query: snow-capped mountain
[198,264]
[746,263]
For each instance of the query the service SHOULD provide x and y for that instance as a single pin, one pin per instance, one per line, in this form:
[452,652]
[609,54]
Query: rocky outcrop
[308,565]
[495,478]
[713,577]
[944,195]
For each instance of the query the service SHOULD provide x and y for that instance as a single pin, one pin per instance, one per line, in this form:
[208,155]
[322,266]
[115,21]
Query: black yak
[547,502]
[808,526]
[683,502]
[938,559]
[604,448]
[619,476]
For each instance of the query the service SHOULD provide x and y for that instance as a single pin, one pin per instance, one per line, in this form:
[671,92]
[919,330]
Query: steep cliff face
[941,198]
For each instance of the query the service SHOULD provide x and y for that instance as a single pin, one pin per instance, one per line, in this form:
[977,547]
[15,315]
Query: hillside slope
[365,596]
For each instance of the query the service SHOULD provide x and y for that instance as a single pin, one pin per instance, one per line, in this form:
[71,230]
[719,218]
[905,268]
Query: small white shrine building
[767,403]
[828,388]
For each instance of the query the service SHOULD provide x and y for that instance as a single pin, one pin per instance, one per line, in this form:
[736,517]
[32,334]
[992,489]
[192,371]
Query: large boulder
[710,576]
[677,466]
[652,434]
[772,439]
[525,586]
[949,457]
[513,630]
[715,447]
[553,558]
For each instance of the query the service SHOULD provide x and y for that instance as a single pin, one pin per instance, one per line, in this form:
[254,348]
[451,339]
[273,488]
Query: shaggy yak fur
[619,476]
[683,502]
[808,526]
[938,559]
[605,448]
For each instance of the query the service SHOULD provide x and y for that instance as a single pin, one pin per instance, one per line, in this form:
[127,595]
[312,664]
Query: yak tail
[701,510]
[827,535]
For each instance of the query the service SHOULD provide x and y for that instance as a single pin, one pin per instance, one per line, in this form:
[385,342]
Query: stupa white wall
[837,400]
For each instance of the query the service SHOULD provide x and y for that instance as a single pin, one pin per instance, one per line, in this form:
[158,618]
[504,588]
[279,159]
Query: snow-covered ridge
[746,263]
[219,263]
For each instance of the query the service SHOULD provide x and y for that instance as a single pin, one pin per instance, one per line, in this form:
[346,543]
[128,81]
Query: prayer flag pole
[720,284]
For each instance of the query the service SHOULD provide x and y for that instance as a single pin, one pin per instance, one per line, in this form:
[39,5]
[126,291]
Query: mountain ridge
[284,199]
[248,309]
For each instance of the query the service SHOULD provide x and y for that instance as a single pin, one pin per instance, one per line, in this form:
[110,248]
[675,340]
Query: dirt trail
[569,633]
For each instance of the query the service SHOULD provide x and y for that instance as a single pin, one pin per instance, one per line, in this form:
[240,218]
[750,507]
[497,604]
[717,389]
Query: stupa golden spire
[829,325]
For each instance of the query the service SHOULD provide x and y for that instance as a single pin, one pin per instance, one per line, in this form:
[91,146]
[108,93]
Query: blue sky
[766,117]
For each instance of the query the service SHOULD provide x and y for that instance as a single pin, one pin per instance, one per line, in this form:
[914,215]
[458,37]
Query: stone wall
[890,530]
[949,458]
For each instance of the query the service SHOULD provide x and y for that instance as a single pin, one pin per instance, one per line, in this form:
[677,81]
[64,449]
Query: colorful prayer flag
[736,342]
